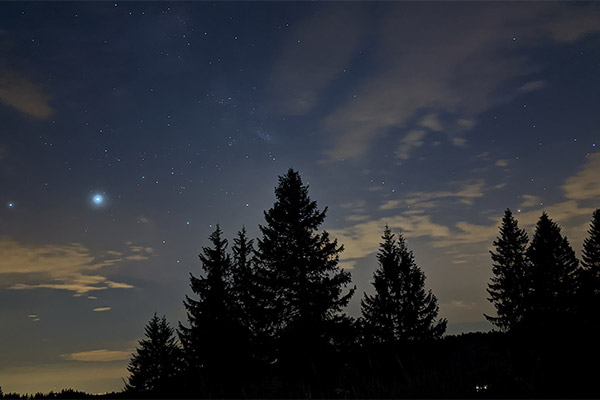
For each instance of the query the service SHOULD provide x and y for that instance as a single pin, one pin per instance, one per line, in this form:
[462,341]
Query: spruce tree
[243,283]
[509,286]
[400,309]
[210,340]
[589,278]
[247,292]
[302,280]
[156,363]
[554,270]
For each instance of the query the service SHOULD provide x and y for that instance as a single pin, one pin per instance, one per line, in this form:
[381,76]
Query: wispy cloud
[585,185]
[98,355]
[22,94]
[530,201]
[100,309]
[314,53]
[425,200]
[17,89]
[363,237]
[532,86]
[432,122]
[409,142]
[69,267]
[409,79]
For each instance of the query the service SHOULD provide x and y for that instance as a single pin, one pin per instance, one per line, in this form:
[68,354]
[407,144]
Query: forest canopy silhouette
[265,318]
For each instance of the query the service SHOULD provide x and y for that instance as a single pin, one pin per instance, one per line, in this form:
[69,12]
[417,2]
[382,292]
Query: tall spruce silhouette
[303,283]
[589,279]
[400,309]
[156,363]
[509,287]
[247,294]
[554,270]
[212,341]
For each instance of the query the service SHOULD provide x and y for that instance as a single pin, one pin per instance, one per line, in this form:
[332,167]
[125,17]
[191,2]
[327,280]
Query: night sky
[129,130]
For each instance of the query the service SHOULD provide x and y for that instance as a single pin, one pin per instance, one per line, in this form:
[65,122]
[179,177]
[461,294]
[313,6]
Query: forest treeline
[265,319]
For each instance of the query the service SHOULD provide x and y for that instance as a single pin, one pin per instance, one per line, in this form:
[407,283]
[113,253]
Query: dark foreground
[474,365]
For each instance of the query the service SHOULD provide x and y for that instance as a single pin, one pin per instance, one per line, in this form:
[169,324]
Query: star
[98,199]
[11,204]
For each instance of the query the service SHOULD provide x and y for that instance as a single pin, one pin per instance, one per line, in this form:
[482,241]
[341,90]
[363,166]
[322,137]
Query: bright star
[11,204]
[97,199]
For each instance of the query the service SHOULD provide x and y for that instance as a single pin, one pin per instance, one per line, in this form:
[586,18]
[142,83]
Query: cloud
[98,355]
[457,141]
[465,123]
[363,238]
[410,141]
[141,253]
[69,267]
[137,257]
[530,201]
[419,201]
[17,89]
[391,205]
[24,95]
[468,234]
[314,53]
[100,309]
[501,163]
[354,204]
[585,185]
[460,304]
[356,218]
[431,121]
[425,60]
[574,23]
[533,85]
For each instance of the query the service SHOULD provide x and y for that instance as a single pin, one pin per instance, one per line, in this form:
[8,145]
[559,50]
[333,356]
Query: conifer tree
[156,363]
[400,309]
[589,279]
[302,280]
[207,340]
[243,280]
[248,296]
[554,270]
[509,286]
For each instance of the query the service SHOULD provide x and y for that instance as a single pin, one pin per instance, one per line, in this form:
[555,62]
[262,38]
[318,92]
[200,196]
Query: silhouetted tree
[400,309]
[156,363]
[207,342]
[247,286]
[589,279]
[509,286]
[243,283]
[554,270]
[302,280]
[216,343]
